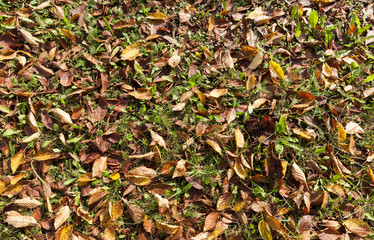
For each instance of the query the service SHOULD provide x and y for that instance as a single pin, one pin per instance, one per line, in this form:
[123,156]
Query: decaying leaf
[97,196]
[109,233]
[353,128]
[18,220]
[224,201]
[131,52]
[210,221]
[158,139]
[117,210]
[81,212]
[29,38]
[264,230]
[142,94]
[27,202]
[216,93]
[99,166]
[45,155]
[61,216]
[180,169]
[298,174]
[239,138]
[142,175]
[136,213]
[66,232]
[275,224]
[357,226]
[62,115]
[17,160]
[214,145]
[157,16]
[167,228]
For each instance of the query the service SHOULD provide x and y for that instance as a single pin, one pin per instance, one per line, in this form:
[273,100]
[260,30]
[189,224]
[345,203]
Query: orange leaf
[210,221]
[167,228]
[97,196]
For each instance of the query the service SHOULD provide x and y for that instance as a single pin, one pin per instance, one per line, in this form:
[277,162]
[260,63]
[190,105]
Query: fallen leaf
[256,61]
[353,128]
[239,138]
[66,232]
[17,160]
[231,115]
[131,52]
[174,60]
[141,94]
[136,213]
[167,228]
[61,216]
[29,38]
[275,68]
[275,224]
[216,232]
[302,133]
[117,210]
[45,155]
[98,195]
[158,139]
[62,115]
[357,226]
[239,169]
[69,35]
[180,169]
[81,212]
[224,201]
[210,221]
[179,107]
[8,55]
[298,174]
[18,220]
[216,93]
[99,166]
[27,202]
[341,132]
[157,16]
[214,145]
[264,230]
[259,102]
[109,233]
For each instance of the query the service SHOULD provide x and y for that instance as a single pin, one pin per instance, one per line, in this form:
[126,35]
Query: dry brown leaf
[45,155]
[142,175]
[224,201]
[158,139]
[371,175]
[302,133]
[256,61]
[264,230]
[227,60]
[32,137]
[174,60]
[180,169]
[85,178]
[214,145]
[167,228]
[117,210]
[131,52]
[179,107]
[69,35]
[61,217]
[14,180]
[8,55]
[18,220]
[27,202]
[81,212]
[216,93]
[353,128]
[259,102]
[163,203]
[62,115]
[216,232]
[357,226]
[200,129]
[98,195]
[275,224]
[250,82]
[275,68]
[210,221]
[298,174]
[99,166]
[239,169]
[17,160]
[231,115]
[139,180]
[141,94]
[29,38]
[136,213]
[239,138]
[109,233]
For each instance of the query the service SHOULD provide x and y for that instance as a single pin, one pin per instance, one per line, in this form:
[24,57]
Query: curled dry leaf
[224,201]
[17,160]
[142,175]
[62,115]
[61,217]
[180,169]
[353,128]
[357,226]
[163,203]
[214,145]
[264,230]
[32,122]
[98,195]
[239,169]
[27,202]
[158,139]
[239,138]
[81,212]
[32,137]
[167,228]
[275,224]
[298,174]
[18,220]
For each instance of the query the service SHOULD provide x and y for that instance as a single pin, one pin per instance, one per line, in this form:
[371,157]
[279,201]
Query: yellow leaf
[167,228]
[114,176]
[8,55]
[250,82]
[274,67]
[322,1]
[264,230]
[18,178]
[224,201]
[216,232]
[45,155]
[109,233]
[84,179]
[66,232]
[207,51]
[13,190]
[201,96]
[117,210]
[342,135]
[17,160]
[69,35]
[139,180]
[239,138]
[302,133]
[239,169]
[371,175]
[157,16]
[238,206]
[214,145]
[358,227]
[131,52]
